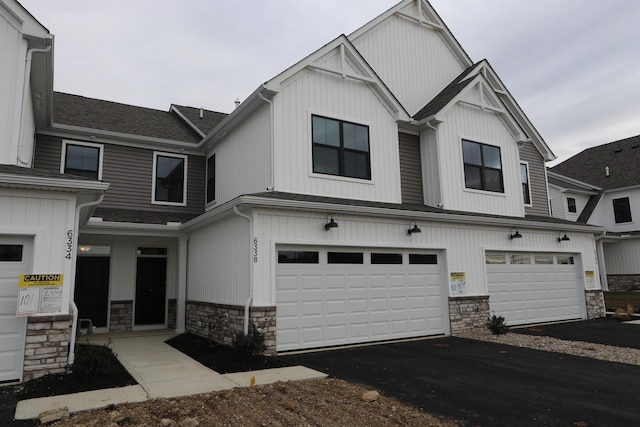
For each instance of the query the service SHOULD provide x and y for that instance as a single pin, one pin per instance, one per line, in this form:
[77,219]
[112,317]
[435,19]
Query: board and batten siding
[243,158]
[603,215]
[219,261]
[328,95]
[482,126]
[129,170]
[14,50]
[410,169]
[622,257]
[412,59]
[537,180]
[462,247]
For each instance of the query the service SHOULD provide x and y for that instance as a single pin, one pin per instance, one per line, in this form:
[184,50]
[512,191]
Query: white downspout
[247,304]
[25,87]
[72,281]
[604,283]
[271,142]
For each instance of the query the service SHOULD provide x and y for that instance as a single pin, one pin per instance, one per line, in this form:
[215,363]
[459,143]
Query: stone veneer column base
[595,303]
[623,282]
[47,346]
[221,323]
[121,318]
[468,312]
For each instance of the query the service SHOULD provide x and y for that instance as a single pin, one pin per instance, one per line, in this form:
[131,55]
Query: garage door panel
[360,303]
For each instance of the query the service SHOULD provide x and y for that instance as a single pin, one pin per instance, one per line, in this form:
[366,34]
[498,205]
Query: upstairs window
[82,159]
[524,179]
[571,205]
[340,148]
[169,179]
[211,178]
[482,167]
[622,210]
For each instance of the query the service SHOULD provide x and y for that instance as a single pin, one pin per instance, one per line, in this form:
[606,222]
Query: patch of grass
[620,299]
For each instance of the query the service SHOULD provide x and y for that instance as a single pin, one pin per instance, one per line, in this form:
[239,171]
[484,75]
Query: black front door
[151,289]
[92,289]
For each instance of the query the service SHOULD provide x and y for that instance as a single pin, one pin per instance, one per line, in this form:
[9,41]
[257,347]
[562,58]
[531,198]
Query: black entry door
[92,289]
[151,289]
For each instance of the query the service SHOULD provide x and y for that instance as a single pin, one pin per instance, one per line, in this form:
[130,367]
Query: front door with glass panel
[151,286]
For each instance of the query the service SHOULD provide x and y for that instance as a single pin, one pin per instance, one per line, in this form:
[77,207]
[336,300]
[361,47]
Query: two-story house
[601,186]
[377,189]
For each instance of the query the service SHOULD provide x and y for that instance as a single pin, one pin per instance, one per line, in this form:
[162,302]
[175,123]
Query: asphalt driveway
[487,384]
[599,331]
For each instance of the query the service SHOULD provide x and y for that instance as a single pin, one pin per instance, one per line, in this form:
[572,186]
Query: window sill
[341,178]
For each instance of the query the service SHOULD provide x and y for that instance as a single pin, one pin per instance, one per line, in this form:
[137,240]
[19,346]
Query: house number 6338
[255,249]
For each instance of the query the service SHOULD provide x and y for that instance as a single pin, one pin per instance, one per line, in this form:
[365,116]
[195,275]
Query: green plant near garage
[252,343]
[497,325]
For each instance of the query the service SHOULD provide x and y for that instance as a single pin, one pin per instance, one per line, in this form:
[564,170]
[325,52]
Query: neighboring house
[375,190]
[611,199]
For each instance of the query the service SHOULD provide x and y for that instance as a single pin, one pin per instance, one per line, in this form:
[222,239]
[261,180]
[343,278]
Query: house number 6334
[255,249]
[69,244]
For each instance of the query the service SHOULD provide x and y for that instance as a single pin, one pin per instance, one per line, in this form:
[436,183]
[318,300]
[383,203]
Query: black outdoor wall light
[564,238]
[330,223]
[414,229]
[515,235]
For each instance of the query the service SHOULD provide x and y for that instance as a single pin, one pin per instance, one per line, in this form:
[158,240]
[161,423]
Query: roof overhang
[8,180]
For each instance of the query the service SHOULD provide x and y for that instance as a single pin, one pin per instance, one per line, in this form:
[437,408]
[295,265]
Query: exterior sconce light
[414,229]
[564,238]
[515,235]
[330,223]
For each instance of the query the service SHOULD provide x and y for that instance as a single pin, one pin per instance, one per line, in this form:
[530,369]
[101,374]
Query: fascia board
[573,181]
[405,214]
[184,118]
[52,183]
[127,228]
[118,138]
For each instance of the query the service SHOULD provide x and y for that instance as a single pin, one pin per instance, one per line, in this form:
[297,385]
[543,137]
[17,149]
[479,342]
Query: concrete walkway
[161,371]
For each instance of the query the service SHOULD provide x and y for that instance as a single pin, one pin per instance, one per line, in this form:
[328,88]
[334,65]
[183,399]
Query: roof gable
[200,120]
[622,159]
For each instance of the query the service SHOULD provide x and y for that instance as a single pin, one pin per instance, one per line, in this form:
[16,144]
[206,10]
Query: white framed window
[169,179]
[524,179]
[82,159]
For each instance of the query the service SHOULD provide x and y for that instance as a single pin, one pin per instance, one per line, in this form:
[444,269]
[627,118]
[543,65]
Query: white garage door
[14,261]
[534,287]
[344,296]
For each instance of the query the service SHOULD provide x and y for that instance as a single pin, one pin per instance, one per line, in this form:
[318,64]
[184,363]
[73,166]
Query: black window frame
[386,258]
[84,172]
[158,181]
[622,210]
[482,168]
[571,205]
[526,186]
[11,252]
[423,259]
[211,179]
[338,257]
[298,257]
[341,151]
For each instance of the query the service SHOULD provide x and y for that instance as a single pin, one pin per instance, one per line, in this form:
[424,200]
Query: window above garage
[482,167]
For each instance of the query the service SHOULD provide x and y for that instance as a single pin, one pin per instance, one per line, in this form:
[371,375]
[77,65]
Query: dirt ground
[327,402]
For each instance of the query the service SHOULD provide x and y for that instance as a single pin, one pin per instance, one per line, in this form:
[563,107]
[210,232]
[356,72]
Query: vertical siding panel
[537,178]
[410,169]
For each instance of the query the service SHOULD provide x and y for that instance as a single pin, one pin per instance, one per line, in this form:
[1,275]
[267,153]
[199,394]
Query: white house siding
[603,214]
[314,92]
[430,168]
[622,257]
[14,50]
[218,262]
[465,122]
[581,202]
[243,158]
[558,203]
[410,58]
[50,219]
[537,180]
[462,246]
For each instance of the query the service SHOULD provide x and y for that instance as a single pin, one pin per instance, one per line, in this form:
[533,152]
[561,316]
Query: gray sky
[572,65]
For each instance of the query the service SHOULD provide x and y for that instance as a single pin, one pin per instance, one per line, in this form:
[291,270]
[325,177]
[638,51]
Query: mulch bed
[221,358]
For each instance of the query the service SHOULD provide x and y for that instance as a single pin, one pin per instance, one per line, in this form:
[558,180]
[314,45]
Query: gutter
[249,300]
[25,88]
[73,306]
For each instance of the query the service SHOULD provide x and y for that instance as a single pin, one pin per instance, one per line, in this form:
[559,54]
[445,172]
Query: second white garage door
[343,296]
[534,287]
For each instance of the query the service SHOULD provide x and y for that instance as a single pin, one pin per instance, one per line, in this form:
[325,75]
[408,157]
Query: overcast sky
[572,65]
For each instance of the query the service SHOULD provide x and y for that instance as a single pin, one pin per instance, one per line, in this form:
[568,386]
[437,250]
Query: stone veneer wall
[172,314]
[221,323]
[595,303]
[121,318]
[623,282]
[468,312]
[47,346]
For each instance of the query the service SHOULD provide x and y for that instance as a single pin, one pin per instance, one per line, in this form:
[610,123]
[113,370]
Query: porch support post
[181,301]
[601,265]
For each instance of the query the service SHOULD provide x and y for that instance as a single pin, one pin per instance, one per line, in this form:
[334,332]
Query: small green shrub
[497,325]
[252,343]
[94,361]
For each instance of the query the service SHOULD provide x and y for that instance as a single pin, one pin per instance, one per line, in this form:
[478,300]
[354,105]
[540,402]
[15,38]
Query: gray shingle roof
[210,119]
[92,113]
[446,95]
[140,216]
[621,157]
[40,173]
